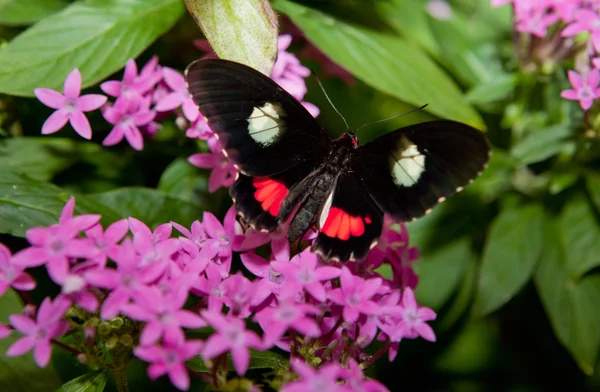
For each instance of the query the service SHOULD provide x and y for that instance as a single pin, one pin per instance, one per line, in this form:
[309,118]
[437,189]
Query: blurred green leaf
[89,382]
[21,374]
[511,252]
[572,306]
[258,360]
[559,181]
[495,179]
[184,181]
[96,36]
[593,187]
[385,62]
[493,90]
[542,144]
[240,30]
[441,271]
[581,231]
[148,205]
[25,12]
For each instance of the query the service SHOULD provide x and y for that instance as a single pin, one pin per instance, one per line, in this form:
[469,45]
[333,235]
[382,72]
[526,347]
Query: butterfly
[291,174]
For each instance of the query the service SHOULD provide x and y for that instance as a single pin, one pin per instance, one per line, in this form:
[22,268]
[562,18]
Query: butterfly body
[292,175]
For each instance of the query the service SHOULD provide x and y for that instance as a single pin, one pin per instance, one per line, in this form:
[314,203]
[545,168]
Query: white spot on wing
[407,164]
[264,123]
[325,211]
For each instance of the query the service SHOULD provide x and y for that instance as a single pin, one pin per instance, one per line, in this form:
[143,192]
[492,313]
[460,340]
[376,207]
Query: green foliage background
[511,264]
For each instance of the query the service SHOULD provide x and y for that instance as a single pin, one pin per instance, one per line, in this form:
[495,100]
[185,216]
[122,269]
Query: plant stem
[121,380]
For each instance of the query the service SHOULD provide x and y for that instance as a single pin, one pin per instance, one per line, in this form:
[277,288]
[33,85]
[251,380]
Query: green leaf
[21,374]
[89,382]
[512,250]
[593,187]
[258,360]
[494,90]
[184,181]
[571,306]
[581,231]
[148,205]
[386,62]
[542,144]
[441,271]
[96,36]
[25,12]
[241,30]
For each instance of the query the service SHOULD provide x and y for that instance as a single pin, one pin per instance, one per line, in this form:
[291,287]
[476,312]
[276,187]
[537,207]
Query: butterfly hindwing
[349,223]
[408,171]
[262,128]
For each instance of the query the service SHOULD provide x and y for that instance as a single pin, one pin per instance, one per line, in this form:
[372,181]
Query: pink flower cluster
[143,99]
[571,17]
[169,285]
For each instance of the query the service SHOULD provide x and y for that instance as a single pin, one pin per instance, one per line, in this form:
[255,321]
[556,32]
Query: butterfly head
[350,138]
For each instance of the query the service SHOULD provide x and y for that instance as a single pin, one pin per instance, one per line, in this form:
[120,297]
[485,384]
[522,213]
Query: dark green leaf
[90,382]
[542,144]
[96,36]
[258,360]
[511,253]
[559,181]
[184,181]
[148,205]
[386,62]
[593,187]
[25,12]
[581,231]
[572,306]
[496,89]
[241,30]
[441,271]
[21,374]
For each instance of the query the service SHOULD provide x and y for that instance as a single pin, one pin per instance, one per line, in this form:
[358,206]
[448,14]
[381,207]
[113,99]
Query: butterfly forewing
[263,129]
[408,171]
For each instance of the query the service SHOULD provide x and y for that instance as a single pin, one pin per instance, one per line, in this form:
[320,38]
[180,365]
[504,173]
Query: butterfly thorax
[340,151]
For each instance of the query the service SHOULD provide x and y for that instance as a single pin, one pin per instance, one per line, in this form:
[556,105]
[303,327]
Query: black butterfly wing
[263,129]
[349,223]
[408,171]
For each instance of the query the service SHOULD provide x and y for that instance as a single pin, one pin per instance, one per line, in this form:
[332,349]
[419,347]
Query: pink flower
[584,20]
[5,331]
[356,381]
[54,246]
[12,275]
[134,86]
[223,173]
[275,321]
[162,313]
[48,325]
[536,22]
[199,129]
[238,294]
[169,358]
[106,242]
[585,89]
[272,282]
[305,271]
[230,335]
[126,116]
[226,237]
[139,228]
[414,317]
[355,295]
[180,96]
[313,380]
[70,106]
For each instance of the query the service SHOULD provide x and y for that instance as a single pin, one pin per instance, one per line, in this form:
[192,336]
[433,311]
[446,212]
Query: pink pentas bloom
[210,286]
[12,275]
[199,129]
[536,22]
[75,291]
[134,86]
[304,270]
[414,317]
[223,173]
[197,234]
[585,89]
[272,282]
[5,331]
[238,294]
[355,295]
[154,251]
[356,382]
[47,326]
[326,378]
[125,281]
[227,236]
[55,245]
[169,359]
[230,336]
[584,20]
[276,321]
[127,115]
[180,96]
[106,242]
[162,313]
[70,106]
[139,228]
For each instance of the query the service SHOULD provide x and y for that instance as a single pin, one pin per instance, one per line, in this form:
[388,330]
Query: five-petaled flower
[585,89]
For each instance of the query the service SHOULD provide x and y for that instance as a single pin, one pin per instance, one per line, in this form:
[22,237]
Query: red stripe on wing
[340,224]
[269,193]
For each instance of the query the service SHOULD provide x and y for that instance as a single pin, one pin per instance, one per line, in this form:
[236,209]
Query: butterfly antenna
[391,118]
[328,99]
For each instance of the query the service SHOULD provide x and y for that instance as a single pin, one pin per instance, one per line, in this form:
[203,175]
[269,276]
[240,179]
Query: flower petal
[81,125]
[55,122]
[72,86]
[50,98]
[89,102]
